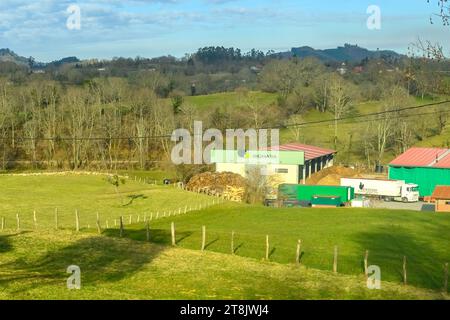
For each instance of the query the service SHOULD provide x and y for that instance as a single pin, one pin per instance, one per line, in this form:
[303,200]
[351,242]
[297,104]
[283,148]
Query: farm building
[293,163]
[441,196]
[426,167]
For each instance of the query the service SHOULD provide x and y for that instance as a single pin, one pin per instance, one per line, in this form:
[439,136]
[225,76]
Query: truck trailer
[314,196]
[388,190]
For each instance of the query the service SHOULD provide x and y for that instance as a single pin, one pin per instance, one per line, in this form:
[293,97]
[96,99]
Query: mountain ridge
[346,53]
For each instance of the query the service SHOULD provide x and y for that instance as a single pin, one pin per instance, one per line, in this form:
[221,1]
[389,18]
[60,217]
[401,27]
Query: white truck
[389,190]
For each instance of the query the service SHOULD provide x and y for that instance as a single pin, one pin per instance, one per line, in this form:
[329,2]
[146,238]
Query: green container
[333,201]
[426,178]
[303,193]
[287,191]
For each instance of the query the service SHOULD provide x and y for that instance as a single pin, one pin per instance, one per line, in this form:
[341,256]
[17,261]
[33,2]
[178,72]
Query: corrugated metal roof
[444,162]
[311,152]
[441,193]
[424,157]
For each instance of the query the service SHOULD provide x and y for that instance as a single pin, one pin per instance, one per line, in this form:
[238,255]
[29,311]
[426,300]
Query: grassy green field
[349,134]
[33,262]
[388,235]
[33,266]
[229,99]
[88,194]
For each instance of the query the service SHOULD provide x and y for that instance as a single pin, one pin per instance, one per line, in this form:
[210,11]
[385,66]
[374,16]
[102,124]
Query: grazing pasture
[33,259]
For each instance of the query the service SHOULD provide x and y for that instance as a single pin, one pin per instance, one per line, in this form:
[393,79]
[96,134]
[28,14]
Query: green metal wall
[426,178]
[306,193]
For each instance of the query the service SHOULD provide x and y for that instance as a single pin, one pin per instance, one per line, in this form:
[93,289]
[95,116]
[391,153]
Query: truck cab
[410,192]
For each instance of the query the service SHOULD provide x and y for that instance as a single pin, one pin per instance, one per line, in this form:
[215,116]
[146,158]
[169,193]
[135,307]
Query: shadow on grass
[239,246]
[5,244]
[134,197]
[211,243]
[272,252]
[387,249]
[101,260]
[158,236]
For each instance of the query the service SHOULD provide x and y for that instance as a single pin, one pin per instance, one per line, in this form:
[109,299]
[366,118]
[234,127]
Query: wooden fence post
[56,218]
[299,251]
[107,224]
[232,242]
[366,263]
[148,231]
[99,228]
[131,219]
[145,217]
[35,219]
[267,247]
[18,222]
[185,209]
[335,260]
[446,277]
[77,220]
[203,238]
[121,226]
[139,218]
[405,278]
[174,242]
[3,223]
[179,211]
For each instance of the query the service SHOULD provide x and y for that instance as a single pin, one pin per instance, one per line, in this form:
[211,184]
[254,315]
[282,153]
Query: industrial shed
[426,167]
[296,161]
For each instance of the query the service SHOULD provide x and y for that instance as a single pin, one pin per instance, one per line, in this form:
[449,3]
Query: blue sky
[150,28]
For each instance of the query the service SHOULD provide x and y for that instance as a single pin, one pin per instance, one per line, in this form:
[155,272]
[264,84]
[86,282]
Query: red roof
[424,157]
[311,152]
[441,193]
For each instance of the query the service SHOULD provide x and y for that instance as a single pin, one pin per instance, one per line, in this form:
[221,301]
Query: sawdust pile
[332,176]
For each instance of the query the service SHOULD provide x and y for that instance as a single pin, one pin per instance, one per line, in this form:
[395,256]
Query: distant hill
[62,61]
[7,55]
[347,53]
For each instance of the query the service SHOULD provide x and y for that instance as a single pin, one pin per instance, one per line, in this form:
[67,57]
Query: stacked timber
[228,185]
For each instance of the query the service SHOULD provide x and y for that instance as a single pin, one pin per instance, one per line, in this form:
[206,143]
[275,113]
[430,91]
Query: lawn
[229,99]
[88,194]
[388,235]
[33,266]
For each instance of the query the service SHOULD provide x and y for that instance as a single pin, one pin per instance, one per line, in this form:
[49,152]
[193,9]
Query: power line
[302,124]
[366,114]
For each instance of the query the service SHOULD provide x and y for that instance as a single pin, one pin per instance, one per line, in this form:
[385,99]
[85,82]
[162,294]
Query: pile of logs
[228,185]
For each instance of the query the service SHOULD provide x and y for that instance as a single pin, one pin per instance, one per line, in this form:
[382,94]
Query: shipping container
[324,201]
[303,194]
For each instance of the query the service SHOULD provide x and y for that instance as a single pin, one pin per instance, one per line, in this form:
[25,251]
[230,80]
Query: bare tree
[80,125]
[294,127]
[444,12]
[339,102]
